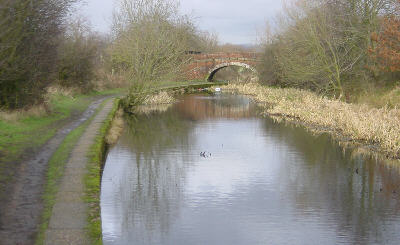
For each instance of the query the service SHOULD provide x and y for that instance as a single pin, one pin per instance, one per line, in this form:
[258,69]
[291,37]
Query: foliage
[150,40]
[79,53]
[360,123]
[323,45]
[387,50]
[28,48]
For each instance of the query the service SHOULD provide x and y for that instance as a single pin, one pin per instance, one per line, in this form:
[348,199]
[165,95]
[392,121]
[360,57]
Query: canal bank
[74,217]
[376,129]
[27,195]
[209,170]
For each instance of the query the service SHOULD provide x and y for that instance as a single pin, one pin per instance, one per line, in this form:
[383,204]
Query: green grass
[54,174]
[20,137]
[16,136]
[110,91]
[93,179]
[31,132]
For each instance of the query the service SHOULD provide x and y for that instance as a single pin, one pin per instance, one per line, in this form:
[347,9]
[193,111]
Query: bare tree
[151,41]
[79,55]
[323,44]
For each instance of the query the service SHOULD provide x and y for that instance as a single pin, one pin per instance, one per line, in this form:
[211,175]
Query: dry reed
[116,128]
[359,122]
[158,99]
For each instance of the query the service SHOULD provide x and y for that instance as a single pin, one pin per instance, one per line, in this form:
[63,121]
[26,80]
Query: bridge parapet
[205,65]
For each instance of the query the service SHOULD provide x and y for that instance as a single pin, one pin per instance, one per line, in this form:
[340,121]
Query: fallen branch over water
[359,122]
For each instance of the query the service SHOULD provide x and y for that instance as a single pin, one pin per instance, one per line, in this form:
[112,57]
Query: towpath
[20,216]
[68,220]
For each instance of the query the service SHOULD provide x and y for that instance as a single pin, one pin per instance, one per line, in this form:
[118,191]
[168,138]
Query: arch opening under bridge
[217,68]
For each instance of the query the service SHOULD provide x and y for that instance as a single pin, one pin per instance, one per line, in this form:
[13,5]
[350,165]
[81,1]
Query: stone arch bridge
[205,65]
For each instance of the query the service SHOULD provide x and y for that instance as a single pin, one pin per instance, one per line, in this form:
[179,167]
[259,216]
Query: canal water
[208,170]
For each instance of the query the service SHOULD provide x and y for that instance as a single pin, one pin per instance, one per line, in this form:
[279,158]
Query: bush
[29,39]
[79,52]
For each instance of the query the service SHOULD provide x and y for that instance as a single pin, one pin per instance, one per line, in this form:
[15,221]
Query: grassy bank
[377,127]
[93,179]
[22,132]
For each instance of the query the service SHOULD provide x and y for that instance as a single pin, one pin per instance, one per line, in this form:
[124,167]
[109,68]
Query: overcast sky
[235,21]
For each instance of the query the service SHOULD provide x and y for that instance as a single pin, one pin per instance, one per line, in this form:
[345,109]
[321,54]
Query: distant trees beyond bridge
[205,65]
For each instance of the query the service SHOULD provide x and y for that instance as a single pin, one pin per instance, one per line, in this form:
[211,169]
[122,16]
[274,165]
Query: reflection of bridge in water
[230,107]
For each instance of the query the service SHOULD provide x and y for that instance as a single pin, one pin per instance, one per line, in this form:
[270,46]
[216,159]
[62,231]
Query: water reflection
[265,183]
[197,107]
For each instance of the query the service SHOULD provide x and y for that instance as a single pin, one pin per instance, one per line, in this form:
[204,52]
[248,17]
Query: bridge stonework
[205,65]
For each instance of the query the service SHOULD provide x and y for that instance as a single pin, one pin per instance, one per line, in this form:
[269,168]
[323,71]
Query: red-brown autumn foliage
[387,51]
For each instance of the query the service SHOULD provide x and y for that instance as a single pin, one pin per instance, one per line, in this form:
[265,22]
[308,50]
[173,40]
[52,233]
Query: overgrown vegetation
[80,53]
[29,38]
[360,123]
[44,43]
[151,40]
[339,48]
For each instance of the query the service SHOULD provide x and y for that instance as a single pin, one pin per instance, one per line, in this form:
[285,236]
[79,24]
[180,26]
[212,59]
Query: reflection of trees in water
[155,132]
[160,142]
[325,178]
[224,106]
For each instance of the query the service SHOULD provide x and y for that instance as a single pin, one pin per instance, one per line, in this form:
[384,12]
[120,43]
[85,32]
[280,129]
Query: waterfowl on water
[205,154]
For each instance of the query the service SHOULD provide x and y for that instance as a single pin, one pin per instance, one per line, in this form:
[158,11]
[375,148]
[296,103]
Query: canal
[209,170]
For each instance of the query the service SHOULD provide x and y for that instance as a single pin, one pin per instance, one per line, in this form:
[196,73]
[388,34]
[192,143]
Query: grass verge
[28,133]
[55,173]
[377,127]
[93,179]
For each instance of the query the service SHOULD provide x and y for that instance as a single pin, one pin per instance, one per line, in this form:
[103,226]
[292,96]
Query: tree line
[335,47]
[28,48]
[41,45]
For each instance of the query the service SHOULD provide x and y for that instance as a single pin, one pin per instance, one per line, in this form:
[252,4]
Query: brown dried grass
[361,123]
[116,128]
[16,115]
[107,80]
[59,90]
[161,98]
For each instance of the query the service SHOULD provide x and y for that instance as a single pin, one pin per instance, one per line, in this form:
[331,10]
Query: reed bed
[358,122]
[160,98]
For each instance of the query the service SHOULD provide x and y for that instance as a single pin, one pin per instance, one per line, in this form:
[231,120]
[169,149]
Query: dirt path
[68,220]
[20,216]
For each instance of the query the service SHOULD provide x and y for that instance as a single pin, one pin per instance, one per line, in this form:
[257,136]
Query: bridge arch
[218,67]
